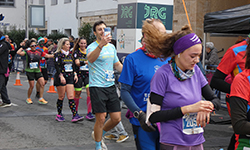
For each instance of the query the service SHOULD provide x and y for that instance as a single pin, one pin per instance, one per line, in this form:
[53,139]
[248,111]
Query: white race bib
[33,65]
[109,75]
[189,124]
[84,67]
[68,67]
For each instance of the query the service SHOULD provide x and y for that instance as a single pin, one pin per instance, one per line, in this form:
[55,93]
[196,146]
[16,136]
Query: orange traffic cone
[18,81]
[51,87]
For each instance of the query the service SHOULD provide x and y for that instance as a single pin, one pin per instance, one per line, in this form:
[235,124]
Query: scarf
[143,48]
[178,73]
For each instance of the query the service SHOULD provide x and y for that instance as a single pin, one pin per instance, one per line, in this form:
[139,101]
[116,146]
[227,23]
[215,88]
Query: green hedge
[18,35]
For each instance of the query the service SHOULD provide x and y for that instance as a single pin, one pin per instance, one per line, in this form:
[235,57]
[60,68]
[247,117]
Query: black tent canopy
[230,21]
[234,20]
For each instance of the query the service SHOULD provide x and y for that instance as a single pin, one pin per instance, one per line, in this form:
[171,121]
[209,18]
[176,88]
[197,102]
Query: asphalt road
[33,127]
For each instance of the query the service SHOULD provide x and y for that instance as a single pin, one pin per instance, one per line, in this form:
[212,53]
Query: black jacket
[4,55]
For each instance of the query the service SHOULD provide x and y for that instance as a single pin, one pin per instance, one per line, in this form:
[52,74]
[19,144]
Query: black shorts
[45,73]
[33,75]
[69,80]
[104,99]
[85,81]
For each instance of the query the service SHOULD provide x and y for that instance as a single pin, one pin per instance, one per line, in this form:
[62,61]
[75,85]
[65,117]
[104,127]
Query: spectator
[4,54]
[211,54]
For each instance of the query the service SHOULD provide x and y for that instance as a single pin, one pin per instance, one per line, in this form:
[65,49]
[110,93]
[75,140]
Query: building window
[67,1]
[7,3]
[54,31]
[53,2]
[41,2]
[67,32]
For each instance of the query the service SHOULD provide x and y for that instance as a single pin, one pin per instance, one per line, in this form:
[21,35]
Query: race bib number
[33,65]
[109,75]
[189,124]
[246,148]
[68,67]
[84,68]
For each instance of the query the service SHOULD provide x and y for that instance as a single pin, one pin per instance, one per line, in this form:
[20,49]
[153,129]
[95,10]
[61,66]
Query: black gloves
[144,126]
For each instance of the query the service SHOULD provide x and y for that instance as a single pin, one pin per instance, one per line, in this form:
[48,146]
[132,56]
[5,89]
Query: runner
[177,89]
[240,105]
[33,69]
[102,58]
[232,63]
[43,63]
[65,78]
[79,54]
[138,69]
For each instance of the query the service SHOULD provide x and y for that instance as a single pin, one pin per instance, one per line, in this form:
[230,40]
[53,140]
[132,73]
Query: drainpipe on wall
[77,17]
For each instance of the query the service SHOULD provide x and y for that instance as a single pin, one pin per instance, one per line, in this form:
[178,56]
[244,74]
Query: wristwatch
[136,114]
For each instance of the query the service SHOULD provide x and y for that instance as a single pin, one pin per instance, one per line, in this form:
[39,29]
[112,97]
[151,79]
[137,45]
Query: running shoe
[5,105]
[111,137]
[29,101]
[104,147]
[60,118]
[42,101]
[122,138]
[90,116]
[77,118]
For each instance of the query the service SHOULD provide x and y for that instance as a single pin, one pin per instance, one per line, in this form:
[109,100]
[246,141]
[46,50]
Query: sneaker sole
[29,102]
[103,145]
[59,120]
[115,139]
[42,103]
[90,119]
[74,121]
[122,140]
[7,105]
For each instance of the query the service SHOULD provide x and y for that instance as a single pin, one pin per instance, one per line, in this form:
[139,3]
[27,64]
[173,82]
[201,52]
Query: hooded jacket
[4,55]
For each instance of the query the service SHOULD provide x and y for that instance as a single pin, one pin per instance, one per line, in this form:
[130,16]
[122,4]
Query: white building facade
[64,16]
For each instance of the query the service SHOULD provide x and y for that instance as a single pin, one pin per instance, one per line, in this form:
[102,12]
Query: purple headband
[185,42]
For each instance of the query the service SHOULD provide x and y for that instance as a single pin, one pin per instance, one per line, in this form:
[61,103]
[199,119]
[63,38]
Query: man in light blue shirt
[102,58]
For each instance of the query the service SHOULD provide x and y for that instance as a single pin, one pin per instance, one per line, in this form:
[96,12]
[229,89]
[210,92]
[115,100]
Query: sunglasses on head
[32,45]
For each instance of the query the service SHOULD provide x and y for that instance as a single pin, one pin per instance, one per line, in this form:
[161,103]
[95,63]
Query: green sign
[126,15]
[162,12]
[131,15]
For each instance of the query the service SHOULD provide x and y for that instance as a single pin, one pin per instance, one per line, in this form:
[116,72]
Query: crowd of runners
[161,85]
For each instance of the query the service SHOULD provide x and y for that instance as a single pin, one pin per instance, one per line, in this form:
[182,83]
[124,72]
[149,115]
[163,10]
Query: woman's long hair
[60,44]
[76,46]
[161,44]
